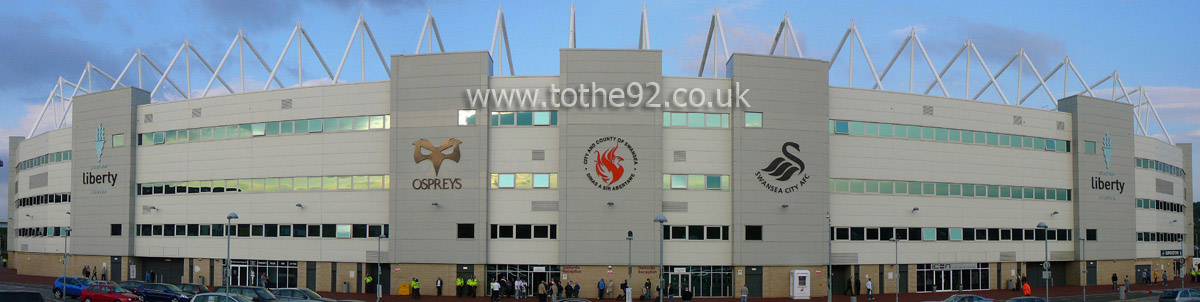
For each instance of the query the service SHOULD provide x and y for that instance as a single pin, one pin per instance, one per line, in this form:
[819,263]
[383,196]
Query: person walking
[745,291]
[686,294]
[1126,283]
[541,291]
[849,291]
[1114,280]
[1155,279]
[1164,278]
[555,289]
[870,289]
[624,286]
[857,287]
[1145,278]
[495,290]
[416,289]
[646,290]
[104,272]
[520,286]
[86,272]
[1025,290]
[600,289]
[608,287]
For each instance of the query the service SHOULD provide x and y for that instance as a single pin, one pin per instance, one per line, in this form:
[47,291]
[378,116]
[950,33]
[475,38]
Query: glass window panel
[914,188]
[1027,142]
[914,132]
[695,182]
[679,181]
[466,117]
[841,185]
[313,125]
[842,127]
[871,186]
[968,136]
[285,127]
[259,129]
[541,118]
[667,119]
[928,188]
[331,124]
[993,139]
[360,182]
[901,131]
[954,135]
[929,234]
[956,234]
[1039,193]
[375,182]
[259,184]
[344,183]
[315,183]
[523,181]
[695,119]
[1016,141]
[856,128]
[943,189]
[754,119]
[927,133]
[329,183]
[901,187]
[271,128]
[300,183]
[1017,192]
[507,180]
[941,134]
[346,124]
[1039,143]
[856,186]
[170,137]
[344,230]
[541,180]
[206,133]
[1005,191]
[871,129]
[712,182]
[955,189]
[885,187]
[885,130]
[1004,139]
[508,118]
[525,118]
[678,119]
[712,120]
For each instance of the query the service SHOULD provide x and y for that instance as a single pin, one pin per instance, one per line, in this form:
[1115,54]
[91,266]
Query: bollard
[1122,291]
[345,287]
[853,298]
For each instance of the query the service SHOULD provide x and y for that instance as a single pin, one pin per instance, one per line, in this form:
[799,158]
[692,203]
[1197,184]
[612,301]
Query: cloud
[997,43]
[253,16]
[743,38]
[388,7]
[40,51]
[1193,134]
[902,33]
[1176,103]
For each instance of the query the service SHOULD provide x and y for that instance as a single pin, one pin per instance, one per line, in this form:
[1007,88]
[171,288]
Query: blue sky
[1148,43]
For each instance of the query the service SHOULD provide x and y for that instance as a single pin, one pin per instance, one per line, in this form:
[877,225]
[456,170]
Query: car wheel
[58,294]
[174,299]
[87,300]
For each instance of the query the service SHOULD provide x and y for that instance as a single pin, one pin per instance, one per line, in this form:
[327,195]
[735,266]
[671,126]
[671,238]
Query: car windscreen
[1170,294]
[311,294]
[264,294]
[119,290]
[172,287]
[84,281]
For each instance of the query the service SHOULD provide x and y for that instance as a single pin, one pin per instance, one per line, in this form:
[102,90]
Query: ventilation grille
[376,256]
[1017,120]
[539,154]
[1161,186]
[675,206]
[39,180]
[680,156]
[1008,256]
[927,110]
[285,104]
[149,118]
[844,258]
[544,206]
[1062,126]
[195,112]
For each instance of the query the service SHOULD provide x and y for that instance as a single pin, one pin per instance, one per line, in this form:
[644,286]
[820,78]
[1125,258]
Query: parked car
[966,298]
[1027,299]
[1179,295]
[162,292]
[193,288]
[20,296]
[220,297]
[255,293]
[70,286]
[102,282]
[107,293]
[131,285]
[299,294]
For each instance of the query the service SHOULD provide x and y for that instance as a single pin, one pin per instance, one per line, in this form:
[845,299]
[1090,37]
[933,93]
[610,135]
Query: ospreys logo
[608,171]
[435,156]
[1107,149]
[782,169]
[99,141]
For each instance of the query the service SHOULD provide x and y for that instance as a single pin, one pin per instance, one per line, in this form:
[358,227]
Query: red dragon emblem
[608,166]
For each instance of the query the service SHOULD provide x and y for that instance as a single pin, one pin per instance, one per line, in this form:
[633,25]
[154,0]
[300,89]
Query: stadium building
[809,178]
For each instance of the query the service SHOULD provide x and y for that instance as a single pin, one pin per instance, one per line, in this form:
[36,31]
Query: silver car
[1179,295]
[220,297]
[967,298]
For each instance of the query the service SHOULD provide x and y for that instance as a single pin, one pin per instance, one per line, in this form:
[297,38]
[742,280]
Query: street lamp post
[1046,265]
[829,260]
[1083,254]
[379,267]
[65,231]
[661,220]
[629,237]
[897,244]
[228,252]
[1182,261]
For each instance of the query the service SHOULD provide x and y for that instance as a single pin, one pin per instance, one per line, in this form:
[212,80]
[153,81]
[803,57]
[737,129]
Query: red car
[107,293]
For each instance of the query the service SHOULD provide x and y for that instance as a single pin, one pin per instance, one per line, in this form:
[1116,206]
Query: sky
[1147,43]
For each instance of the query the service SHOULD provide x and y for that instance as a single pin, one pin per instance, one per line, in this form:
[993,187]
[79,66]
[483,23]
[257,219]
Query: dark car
[162,292]
[255,293]
[193,288]
[1027,299]
[299,294]
[1179,295]
[220,297]
[131,285]
[20,296]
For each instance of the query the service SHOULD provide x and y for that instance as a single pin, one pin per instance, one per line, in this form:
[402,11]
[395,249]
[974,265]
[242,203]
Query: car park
[70,286]
[131,285]
[255,293]
[299,294]
[193,288]
[107,293]
[162,292]
[220,297]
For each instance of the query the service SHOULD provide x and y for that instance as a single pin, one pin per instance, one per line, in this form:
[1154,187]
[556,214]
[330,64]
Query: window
[114,230]
[118,140]
[712,182]
[754,232]
[344,230]
[754,119]
[466,231]
[466,117]
[1089,147]
[327,230]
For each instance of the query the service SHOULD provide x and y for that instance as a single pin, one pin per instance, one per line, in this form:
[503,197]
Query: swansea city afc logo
[781,171]
[610,163]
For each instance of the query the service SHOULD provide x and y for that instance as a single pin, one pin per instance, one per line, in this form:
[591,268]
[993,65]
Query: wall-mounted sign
[99,141]
[1107,149]
[423,150]
[1170,253]
[780,172]
[610,163]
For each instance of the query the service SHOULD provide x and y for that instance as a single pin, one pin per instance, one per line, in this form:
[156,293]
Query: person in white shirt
[495,290]
[870,289]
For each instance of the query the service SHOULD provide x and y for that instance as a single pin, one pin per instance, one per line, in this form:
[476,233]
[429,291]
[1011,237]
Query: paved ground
[9,280]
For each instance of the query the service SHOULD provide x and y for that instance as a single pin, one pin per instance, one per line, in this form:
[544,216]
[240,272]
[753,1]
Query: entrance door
[1091,273]
[903,279]
[311,268]
[753,282]
[115,269]
[676,282]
